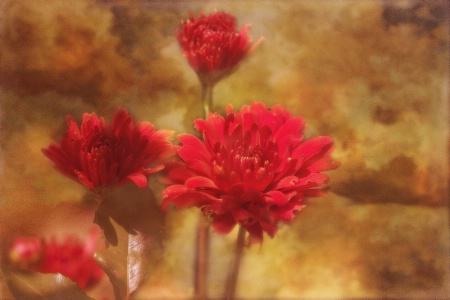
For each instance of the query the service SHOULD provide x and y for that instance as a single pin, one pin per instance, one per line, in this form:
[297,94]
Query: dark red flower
[212,44]
[102,155]
[251,168]
[71,258]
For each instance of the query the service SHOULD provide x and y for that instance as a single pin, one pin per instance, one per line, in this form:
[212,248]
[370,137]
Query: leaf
[132,224]
[31,285]
[5,292]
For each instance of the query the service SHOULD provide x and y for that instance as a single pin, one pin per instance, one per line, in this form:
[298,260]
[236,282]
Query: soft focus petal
[25,252]
[70,257]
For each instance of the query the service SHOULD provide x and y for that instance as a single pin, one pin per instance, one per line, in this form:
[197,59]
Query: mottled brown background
[371,74]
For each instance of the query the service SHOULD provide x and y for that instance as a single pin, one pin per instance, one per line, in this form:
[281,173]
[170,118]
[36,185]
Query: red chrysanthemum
[252,168]
[102,155]
[212,45]
[71,257]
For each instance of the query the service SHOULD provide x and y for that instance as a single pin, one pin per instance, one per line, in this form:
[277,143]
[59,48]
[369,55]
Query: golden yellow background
[371,74]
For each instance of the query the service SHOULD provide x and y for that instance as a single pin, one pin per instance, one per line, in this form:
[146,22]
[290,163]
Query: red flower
[70,258]
[103,155]
[252,168]
[212,45]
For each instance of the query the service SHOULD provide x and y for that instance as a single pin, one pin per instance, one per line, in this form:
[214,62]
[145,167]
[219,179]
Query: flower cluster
[103,155]
[213,46]
[71,257]
[251,168]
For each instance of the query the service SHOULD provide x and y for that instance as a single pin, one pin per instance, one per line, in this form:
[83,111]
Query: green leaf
[31,285]
[132,225]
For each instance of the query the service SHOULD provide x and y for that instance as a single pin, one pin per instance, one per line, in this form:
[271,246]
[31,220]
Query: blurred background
[371,74]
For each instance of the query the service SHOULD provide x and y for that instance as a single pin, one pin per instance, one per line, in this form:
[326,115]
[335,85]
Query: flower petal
[139,179]
[312,180]
[286,214]
[193,148]
[287,182]
[312,147]
[182,197]
[323,164]
[277,198]
[255,233]
[199,182]
[84,180]
[223,223]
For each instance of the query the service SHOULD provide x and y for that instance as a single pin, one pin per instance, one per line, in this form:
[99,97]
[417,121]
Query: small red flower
[70,258]
[212,45]
[102,155]
[251,168]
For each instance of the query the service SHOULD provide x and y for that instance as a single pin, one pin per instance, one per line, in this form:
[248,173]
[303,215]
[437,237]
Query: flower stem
[202,253]
[207,97]
[230,291]
[201,259]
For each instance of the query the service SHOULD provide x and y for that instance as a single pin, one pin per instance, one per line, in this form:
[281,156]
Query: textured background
[371,74]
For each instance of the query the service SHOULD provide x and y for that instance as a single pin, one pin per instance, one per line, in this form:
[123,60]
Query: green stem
[230,292]
[116,269]
[202,253]
[201,260]
[207,98]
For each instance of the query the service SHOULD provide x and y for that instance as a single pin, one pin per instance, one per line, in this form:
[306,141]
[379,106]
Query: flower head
[251,168]
[71,258]
[102,155]
[212,45]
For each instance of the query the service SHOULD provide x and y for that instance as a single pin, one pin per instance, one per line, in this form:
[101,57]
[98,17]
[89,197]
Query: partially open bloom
[103,155]
[71,257]
[251,168]
[213,46]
